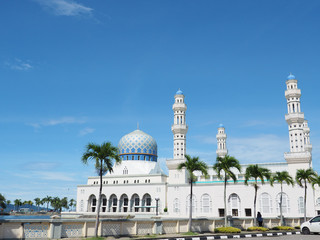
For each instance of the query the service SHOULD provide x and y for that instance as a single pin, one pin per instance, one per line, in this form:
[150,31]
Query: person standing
[259,219]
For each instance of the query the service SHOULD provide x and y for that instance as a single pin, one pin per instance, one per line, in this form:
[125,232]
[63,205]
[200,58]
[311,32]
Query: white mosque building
[138,184]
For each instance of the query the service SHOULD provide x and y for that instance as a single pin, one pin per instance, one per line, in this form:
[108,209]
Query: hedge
[227,230]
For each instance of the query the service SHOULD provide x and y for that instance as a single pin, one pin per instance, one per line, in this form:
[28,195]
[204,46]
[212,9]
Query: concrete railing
[84,227]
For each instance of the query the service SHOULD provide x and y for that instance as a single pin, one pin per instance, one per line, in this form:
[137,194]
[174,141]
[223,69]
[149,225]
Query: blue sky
[79,71]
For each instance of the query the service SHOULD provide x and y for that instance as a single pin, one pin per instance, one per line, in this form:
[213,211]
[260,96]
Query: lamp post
[157,200]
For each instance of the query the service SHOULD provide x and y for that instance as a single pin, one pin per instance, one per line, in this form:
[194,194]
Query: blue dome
[221,125]
[138,145]
[291,76]
[179,92]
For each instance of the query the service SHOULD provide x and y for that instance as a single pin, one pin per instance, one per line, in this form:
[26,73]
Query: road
[290,237]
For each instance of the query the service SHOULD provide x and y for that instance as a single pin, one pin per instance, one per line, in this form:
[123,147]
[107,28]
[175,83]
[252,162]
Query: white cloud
[86,131]
[19,65]
[65,7]
[59,121]
[46,175]
[255,149]
[258,149]
[37,165]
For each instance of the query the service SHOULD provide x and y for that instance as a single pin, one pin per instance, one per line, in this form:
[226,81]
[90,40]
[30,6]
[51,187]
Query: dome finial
[291,76]
[137,125]
[179,92]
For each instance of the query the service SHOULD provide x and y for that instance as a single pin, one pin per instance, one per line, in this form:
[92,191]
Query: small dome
[291,76]
[221,125]
[179,92]
[138,145]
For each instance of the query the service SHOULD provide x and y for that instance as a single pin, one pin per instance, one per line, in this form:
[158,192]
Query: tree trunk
[305,200]
[225,200]
[190,209]
[255,204]
[99,203]
[281,216]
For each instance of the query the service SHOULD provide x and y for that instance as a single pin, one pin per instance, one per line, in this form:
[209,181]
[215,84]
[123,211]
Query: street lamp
[157,200]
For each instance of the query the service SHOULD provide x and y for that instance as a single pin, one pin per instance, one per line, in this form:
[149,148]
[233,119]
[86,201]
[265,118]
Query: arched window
[92,203]
[318,202]
[113,203]
[234,205]
[265,203]
[135,203]
[206,203]
[301,204]
[176,205]
[103,203]
[285,203]
[124,203]
[194,204]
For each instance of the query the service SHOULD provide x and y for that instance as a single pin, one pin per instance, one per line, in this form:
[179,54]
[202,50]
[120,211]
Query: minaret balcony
[222,152]
[292,93]
[297,117]
[221,135]
[179,107]
[179,128]
[298,157]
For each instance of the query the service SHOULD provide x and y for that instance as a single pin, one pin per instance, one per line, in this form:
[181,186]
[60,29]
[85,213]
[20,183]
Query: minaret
[179,127]
[300,146]
[179,130]
[222,150]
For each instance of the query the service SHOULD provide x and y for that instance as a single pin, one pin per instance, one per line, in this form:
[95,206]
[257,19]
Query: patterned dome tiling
[137,142]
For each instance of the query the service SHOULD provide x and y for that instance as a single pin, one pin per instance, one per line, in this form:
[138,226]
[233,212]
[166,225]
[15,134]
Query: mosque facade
[139,186]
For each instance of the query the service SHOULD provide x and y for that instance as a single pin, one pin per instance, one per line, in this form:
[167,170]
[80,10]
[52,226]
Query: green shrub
[227,230]
[262,229]
[282,228]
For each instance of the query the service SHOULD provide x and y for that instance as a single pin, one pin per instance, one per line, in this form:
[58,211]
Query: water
[9,217]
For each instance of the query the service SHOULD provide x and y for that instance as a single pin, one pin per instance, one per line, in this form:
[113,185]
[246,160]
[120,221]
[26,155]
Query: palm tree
[224,165]
[192,164]
[316,180]
[281,177]
[30,203]
[64,203]
[38,202]
[18,203]
[256,172]
[56,204]
[72,203]
[103,155]
[47,200]
[3,201]
[304,176]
